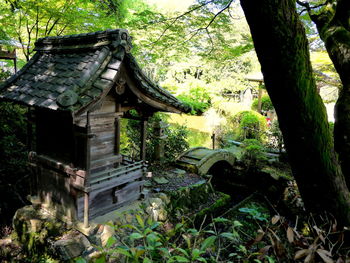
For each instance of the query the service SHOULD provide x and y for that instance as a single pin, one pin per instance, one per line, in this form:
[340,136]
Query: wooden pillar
[117,135]
[143,139]
[87,166]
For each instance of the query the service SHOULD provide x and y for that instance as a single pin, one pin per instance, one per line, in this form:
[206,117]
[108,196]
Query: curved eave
[149,92]
[136,88]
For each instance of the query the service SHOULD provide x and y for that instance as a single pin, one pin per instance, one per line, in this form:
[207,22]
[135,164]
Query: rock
[157,209]
[73,244]
[35,225]
[108,231]
[68,249]
[160,180]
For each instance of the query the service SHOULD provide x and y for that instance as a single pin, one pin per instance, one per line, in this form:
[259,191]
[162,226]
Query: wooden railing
[124,169]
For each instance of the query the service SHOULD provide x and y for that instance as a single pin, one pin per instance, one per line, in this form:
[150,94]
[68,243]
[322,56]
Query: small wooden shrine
[77,88]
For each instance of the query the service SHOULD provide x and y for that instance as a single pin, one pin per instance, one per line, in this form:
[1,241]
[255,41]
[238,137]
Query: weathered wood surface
[103,164]
[116,177]
[104,200]
[55,191]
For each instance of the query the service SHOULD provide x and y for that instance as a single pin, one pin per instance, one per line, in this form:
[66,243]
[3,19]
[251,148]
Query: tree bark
[282,50]
[334,29]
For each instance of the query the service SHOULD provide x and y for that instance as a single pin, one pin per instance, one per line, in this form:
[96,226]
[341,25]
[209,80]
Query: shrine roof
[73,72]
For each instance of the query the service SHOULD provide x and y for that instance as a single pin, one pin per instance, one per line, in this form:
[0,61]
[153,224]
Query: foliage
[266,103]
[249,125]
[13,156]
[275,136]
[174,142]
[14,178]
[146,240]
[253,153]
[198,98]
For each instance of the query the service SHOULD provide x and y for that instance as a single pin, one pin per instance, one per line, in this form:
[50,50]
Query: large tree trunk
[333,25]
[282,49]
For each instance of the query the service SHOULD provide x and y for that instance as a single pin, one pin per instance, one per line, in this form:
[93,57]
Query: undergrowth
[251,234]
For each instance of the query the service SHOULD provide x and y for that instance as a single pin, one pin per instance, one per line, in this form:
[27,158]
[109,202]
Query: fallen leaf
[275,219]
[340,260]
[263,251]
[324,255]
[309,258]
[290,234]
[301,253]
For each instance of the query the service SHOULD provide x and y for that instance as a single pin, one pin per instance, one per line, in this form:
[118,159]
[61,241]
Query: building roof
[74,72]
[256,76]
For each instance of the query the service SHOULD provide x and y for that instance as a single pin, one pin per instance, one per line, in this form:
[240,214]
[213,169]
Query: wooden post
[143,139]
[86,210]
[213,140]
[87,166]
[117,135]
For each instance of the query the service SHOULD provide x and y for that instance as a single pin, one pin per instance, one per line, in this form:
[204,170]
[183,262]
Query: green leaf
[237,223]
[147,260]
[111,241]
[180,259]
[130,226]
[227,235]
[136,235]
[208,242]
[221,220]
[80,260]
[196,253]
[154,225]
[178,226]
[101,259]
[184,252]
[193,231]
[152,239]
[123,251]
[140,220]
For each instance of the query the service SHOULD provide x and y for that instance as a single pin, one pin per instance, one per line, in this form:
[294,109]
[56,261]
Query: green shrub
[253,152]
[197,98]
[249,125]
[266,103]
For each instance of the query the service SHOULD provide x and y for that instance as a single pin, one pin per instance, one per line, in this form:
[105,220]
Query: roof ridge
[109,37]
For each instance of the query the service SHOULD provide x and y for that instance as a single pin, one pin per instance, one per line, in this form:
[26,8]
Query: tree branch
[210,22]
[175,19]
